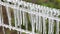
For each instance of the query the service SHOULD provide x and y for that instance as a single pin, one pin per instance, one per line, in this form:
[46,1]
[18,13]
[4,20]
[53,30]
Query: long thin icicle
[51,27]
[24,22]
[36,23]
[32,23]
[57,27]
[20,19]
[15,17]
[49,30]
[44,25]
[9,15]
[40,25]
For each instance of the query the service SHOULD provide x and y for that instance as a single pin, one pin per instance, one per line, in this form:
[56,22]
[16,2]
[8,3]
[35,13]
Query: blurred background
[49,3]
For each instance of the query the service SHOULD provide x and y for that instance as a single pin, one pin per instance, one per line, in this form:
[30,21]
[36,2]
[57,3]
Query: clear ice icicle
[51,26]
[44,25]
[57,27]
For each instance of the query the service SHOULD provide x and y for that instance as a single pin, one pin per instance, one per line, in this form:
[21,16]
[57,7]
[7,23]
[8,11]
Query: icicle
[57,27]
[44,26]
[15,17]
[20,17]
[9,16]
[51,26]
[40,25]
[18,14]
[24,22]
[49,30]
[36,22]
[32,23]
